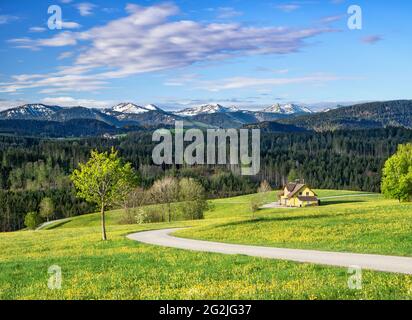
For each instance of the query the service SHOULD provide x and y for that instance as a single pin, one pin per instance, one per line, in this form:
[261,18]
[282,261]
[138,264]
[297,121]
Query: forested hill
[34,168]
[362,116]
[275,127]
[54,129]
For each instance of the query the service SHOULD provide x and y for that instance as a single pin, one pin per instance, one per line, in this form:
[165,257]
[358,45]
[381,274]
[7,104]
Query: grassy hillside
[352,224]
[219,208]
[124,269]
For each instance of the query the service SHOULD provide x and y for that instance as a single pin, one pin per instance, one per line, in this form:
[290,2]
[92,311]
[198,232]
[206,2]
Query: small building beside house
[298,195]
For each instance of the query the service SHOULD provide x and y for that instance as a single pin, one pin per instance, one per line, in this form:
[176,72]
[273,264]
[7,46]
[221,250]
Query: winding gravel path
[45,224]
[365,261]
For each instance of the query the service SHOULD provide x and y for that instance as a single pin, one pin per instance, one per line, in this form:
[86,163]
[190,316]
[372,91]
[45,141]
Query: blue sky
[183,53]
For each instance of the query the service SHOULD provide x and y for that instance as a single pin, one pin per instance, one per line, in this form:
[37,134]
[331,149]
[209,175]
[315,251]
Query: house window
[300,193]
[307,193]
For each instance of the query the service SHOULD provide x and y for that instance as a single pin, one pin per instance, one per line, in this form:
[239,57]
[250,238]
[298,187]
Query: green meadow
[124,269]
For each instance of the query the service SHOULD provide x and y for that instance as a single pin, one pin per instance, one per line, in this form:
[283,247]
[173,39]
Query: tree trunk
[169,209]
[103,224]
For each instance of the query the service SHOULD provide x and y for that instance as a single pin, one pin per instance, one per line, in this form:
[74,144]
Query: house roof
[311,199]
[294,188]
[298,187]
[291,186]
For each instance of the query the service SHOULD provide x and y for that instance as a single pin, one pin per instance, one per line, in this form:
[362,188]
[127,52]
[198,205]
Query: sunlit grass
[357,224]
[124,269]
[219,208]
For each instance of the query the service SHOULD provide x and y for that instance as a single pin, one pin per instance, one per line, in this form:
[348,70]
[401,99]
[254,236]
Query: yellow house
[298,195]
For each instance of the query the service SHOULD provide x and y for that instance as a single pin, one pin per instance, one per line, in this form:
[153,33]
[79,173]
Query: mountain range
[210,115]
[277,118]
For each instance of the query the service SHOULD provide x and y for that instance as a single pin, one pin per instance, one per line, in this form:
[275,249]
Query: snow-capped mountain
[130,114]
[31,111]
[130,108]
[205,109]
[152,107]
[122,114]
[287,109]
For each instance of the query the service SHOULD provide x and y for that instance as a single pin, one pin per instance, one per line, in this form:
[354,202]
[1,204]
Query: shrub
[32,220]
[128,216]
[192,199]
[165,192]
[264,187]
[153,214]
[141,216]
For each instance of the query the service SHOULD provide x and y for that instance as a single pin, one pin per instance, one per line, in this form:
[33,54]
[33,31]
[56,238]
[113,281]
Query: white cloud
[251,82]
[70,25]
[85,8]
[54,83]
[282,71]
[288,7]
[148,40]
[37,29]
[72,102]
[8,104]
[271,70]
[226,12]
[372,39]
[331,19]
[5,18]
[65,25]
[65,55]
[62,39]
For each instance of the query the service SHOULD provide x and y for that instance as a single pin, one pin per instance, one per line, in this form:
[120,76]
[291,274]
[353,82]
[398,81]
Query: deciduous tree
[165,191]
[264,187]
[397,174]
[31,220]
[192,198]
[46,208]
[102,180]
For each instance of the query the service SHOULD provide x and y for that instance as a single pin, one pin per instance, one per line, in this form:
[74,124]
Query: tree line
[32,169]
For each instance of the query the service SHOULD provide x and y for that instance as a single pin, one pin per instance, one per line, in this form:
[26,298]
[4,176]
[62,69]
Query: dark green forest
[363,116]
[34,168]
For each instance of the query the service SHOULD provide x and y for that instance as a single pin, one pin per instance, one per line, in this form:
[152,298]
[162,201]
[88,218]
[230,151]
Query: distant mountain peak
[31,111]
[206,109]
[131,108]
[151,107]
[287,109]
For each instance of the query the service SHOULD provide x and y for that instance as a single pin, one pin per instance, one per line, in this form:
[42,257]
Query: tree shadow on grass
[274,219]
[288,218]
[56,225]
[325,203]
